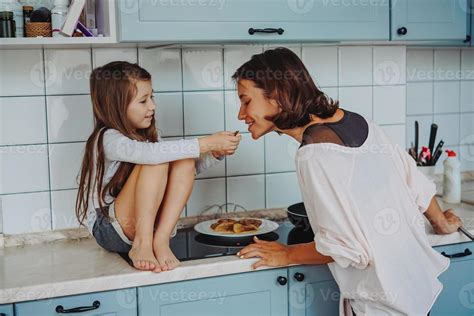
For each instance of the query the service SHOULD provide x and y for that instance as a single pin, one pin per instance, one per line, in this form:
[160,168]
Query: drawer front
[6,310]
[460,252]
[254,293]
[223,20]
[116,303]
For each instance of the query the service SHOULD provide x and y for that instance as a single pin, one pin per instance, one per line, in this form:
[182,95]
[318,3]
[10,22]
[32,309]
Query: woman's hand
[451,224]
[272,253]
[220,144]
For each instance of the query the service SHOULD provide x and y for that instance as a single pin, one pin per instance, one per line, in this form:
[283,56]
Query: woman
[363,194]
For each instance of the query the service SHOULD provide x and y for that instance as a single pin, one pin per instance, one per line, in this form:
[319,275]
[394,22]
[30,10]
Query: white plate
[266,227]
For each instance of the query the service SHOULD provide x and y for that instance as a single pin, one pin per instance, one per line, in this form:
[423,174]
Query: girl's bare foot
[142,257]
[164,255]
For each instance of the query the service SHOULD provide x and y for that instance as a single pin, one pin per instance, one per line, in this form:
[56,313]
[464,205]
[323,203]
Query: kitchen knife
[416,138]
[463,230]
[437,153]
[434,129]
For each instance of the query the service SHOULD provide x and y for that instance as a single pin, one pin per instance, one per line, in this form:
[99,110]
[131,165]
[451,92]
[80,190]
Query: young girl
[133,185]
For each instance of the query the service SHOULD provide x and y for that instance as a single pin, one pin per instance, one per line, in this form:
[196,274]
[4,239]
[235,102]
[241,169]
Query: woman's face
[254,107]
[142,108]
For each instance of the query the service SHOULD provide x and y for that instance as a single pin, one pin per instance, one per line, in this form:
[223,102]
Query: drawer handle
[60,309]
[279,30]
[2,314]
[466,253]
[299,277]
[402,31]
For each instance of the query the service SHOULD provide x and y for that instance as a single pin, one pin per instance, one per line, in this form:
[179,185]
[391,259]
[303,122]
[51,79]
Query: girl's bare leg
[136,208]
[178,190]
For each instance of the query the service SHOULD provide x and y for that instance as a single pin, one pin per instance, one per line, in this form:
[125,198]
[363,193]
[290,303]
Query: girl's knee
[185,165]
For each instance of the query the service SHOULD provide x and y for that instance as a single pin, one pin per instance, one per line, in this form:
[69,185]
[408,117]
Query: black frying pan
[297,216]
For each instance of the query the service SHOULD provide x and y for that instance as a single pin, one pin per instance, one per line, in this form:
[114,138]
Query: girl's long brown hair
[113,88]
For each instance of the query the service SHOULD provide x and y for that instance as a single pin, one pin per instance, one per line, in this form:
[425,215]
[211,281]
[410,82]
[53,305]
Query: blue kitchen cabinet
[457,297]
[244,20]
[312,291]
[260,293]
[6,310]
[117,303]
[430,20]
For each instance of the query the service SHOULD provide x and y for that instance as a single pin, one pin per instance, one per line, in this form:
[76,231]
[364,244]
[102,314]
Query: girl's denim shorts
[109,234]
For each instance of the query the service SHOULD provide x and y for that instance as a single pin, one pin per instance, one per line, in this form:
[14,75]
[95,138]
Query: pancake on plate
[233,226]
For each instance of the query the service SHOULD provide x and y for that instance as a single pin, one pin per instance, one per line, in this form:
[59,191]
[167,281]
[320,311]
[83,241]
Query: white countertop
[74,267]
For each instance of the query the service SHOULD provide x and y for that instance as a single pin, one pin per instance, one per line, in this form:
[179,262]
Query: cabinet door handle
[282,280]
[299,277]
[60,309]
[468,39]
[279,30]
[2,314]
[466,253]
[402,31]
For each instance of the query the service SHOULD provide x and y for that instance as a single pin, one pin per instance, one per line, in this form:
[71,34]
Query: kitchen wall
[46,118]
[440,89]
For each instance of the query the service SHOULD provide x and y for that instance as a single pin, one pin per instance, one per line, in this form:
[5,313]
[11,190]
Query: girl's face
[254,107]
[141,110]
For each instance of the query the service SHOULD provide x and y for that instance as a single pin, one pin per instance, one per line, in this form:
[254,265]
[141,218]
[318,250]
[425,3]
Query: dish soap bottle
[452,179]
[58,16]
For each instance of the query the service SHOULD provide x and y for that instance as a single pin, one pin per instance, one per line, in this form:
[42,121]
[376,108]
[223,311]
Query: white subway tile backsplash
[321,62]
[23,169]
[102,56]
[22,72]
[389,104]
[67,71]
[26,213]
[419,98]
[448,128]
[208,197]
[467,64]
[63,209]
[355,73]
[236,56]
[248,159]
[280,153]
[396,134]
[245,193]
[467,96]
[333,93]
[356,99]
[467,128]
[65,163]
[446,96]
[70,118]
[164,65]
[389,65]
[467,157]
[232,107]
[420,64]
[203,69]
[447,63]
[282,190]
[203,112]
[23,120]
[169,114]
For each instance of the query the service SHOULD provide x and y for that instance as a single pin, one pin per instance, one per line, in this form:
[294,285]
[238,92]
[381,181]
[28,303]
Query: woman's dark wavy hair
[282,76]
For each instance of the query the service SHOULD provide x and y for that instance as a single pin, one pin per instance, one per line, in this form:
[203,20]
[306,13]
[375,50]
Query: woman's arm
[442,222]
[274,254]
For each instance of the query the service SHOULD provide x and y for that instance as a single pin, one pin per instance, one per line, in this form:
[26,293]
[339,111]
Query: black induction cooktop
[190,245]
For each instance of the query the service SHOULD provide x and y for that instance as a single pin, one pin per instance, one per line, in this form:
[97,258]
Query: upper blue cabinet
[252,20]
[430,20]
